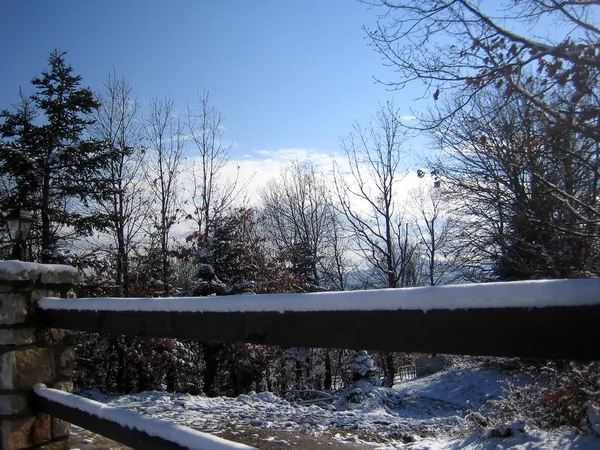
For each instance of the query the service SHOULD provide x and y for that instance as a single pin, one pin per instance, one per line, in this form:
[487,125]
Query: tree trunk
[328,378]
[45,257]
[298,372]
[391,371]
[121,377]
[210,352]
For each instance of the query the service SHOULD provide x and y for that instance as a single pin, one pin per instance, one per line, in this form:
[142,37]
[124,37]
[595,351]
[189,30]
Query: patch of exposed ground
[262,439]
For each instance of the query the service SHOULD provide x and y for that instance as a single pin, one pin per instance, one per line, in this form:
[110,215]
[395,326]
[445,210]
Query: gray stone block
[17,336]
[11,404]
[13,308]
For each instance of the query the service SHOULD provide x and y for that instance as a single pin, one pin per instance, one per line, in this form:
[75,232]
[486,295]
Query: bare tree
[336,264]
[368,198]
[367,191]
[211,194]
[458,47]
[528,200]
[165,139]
[301,222]
[435,228]
[117,123]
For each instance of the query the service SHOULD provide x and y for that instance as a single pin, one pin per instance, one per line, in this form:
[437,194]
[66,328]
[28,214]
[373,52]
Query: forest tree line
[512,195]
[112,188]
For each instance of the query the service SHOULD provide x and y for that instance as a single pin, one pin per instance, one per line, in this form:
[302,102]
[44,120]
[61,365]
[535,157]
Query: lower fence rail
[126,427]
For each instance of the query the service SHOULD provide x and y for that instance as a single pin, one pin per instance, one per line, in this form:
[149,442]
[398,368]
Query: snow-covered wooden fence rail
[546,319]
[539,319]
[126,427]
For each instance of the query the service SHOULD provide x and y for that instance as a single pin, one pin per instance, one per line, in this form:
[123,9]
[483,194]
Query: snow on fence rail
[546,319]
[127,427]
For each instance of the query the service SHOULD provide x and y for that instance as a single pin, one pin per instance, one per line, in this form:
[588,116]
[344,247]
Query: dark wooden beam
[559,332]
[111,428]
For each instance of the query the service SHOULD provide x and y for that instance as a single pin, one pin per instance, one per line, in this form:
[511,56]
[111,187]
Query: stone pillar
[29,355]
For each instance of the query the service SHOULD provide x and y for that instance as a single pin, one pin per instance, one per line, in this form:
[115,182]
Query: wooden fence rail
[124,426]
[425,320]
[559,332]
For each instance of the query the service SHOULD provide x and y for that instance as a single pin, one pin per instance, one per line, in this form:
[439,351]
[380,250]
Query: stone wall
[29,355]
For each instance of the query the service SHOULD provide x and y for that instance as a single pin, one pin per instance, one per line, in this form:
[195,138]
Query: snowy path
[419,414]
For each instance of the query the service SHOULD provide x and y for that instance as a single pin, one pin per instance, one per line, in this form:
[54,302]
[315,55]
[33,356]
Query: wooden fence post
[29,355]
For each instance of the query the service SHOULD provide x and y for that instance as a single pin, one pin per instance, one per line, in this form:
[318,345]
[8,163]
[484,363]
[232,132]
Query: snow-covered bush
[561,393]
[591,422]
[504,430]
[364,368]
[365,395]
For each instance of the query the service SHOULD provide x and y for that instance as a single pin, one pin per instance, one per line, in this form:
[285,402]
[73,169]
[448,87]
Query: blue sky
[285,74]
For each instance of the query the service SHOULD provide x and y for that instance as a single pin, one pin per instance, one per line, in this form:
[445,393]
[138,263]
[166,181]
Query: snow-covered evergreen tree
[231,258]
[48,165]
[363,367]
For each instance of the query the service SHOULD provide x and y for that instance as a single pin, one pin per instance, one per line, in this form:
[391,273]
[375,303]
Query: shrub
[561,393]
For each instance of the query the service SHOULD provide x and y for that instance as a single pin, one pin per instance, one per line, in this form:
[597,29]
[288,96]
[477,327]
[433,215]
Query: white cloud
[254,171]
[289,155]
[261,166]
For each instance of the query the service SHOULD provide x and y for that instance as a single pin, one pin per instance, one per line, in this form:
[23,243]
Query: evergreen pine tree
[47,164]
[230,258]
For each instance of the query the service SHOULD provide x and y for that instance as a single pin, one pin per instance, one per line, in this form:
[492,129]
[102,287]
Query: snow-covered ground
[425,413]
